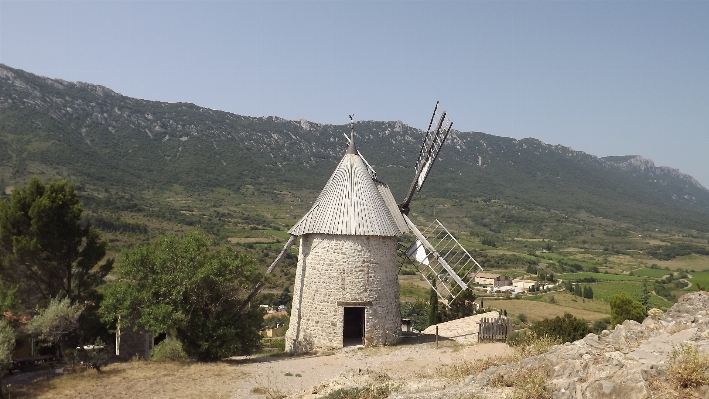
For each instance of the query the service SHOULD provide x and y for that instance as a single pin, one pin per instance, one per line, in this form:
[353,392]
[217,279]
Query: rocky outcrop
[618,363]
[645,165]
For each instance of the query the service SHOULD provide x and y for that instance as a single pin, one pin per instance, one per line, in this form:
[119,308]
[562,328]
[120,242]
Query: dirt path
[294,375]
[259,377]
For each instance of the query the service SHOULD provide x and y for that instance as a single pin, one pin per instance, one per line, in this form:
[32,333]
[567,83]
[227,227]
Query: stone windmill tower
[346,286]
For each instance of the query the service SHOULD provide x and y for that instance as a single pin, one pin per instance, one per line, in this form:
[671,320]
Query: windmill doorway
[353,326]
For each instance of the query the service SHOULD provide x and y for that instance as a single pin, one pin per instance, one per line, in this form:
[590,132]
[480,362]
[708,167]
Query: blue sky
[604,77]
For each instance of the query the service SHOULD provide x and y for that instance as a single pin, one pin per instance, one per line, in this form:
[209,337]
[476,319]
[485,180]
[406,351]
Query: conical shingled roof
[352,203]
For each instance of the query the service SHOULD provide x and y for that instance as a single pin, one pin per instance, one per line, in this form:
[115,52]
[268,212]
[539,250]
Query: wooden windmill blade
[432,143]
[439,257]
[437,254]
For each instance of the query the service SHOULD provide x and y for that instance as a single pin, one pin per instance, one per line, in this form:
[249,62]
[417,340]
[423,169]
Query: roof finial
[352,149]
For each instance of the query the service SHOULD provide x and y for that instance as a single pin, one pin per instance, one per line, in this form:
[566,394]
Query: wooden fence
[491,329]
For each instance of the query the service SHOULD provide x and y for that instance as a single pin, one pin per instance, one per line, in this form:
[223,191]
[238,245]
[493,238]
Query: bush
[600,325]
[623,308]
[567,328]
[686,367]
[169,350]
[7,344]
[516,338]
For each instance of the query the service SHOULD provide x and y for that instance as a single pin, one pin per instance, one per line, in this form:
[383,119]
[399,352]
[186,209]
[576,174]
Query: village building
[495,280]
[524,285]
[346,284]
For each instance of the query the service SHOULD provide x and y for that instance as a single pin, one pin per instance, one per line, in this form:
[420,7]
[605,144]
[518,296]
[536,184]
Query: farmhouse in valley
[524,285]
[492,279]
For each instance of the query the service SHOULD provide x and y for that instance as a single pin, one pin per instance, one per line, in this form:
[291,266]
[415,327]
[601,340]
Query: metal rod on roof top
[352,126]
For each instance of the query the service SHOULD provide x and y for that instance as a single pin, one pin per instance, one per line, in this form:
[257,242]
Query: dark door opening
[353,327]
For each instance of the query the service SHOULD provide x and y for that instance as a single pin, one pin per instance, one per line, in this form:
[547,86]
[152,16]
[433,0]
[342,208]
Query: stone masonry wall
[347,270]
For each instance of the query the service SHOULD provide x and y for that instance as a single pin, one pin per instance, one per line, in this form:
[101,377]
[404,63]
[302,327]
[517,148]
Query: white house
[495,280]
[524,285]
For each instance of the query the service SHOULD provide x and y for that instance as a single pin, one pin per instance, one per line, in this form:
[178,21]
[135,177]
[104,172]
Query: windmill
[436,253]
[346,282]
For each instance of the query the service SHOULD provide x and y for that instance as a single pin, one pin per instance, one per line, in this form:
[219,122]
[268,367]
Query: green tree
[284,297]
[45,249]
[55,322]
[183,286]
[623,308]
[433,317]
[7,345]
[645,296]
[417,312]
[567,328]
[461,307]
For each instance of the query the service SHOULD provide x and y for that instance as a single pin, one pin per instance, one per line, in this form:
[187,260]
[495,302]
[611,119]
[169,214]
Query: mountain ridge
[102,138]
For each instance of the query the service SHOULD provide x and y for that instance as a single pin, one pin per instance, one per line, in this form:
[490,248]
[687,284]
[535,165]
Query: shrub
[566,329]
[686,367]
[169,350]
[655,313]
[54,322]
[623,308]
[532,384]
[373,392]
[7,344]
[516,338]
[534,345]
[600,325]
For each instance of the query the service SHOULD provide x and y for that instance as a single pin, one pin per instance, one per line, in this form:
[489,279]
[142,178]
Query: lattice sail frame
[438,256]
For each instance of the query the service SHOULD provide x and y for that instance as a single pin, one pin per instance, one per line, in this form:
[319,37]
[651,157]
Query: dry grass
[534,346]
[685,371]
[528,383]
[532,384]
[139,379]
[536,310]
[459,371]
[686,367]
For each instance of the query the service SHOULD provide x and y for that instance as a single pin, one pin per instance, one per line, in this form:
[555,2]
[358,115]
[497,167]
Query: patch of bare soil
[260,376]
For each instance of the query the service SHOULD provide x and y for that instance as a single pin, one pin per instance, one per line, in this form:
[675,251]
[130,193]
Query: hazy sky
[604,77]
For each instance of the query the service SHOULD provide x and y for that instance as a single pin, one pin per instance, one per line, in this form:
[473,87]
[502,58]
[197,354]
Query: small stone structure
[346,285]
[131,344]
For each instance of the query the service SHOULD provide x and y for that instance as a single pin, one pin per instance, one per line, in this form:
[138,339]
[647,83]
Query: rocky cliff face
[625,363]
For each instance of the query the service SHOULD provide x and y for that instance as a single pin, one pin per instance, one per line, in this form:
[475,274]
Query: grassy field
[701,278]
[606,290]
[648,272]
[568,300]
[598,276]
[412,292]
[690,262]
[538,310]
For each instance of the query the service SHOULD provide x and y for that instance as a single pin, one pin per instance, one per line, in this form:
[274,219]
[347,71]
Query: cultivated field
[537,310]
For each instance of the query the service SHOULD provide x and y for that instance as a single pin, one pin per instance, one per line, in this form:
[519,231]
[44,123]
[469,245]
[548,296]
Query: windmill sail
[432,143]
[440,258]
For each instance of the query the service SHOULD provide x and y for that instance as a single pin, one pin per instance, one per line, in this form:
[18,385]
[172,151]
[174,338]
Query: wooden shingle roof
[353,203]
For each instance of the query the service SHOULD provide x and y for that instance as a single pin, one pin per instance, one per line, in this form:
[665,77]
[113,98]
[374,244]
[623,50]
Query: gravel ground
[297,376]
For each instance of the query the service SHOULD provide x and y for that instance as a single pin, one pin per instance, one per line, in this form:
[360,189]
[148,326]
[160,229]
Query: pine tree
[645,296]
